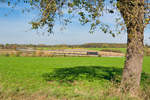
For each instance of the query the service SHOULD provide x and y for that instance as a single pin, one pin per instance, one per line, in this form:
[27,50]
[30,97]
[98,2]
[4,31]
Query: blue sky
[15,28]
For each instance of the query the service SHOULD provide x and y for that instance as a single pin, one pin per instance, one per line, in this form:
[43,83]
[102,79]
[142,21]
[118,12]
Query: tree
[135,14]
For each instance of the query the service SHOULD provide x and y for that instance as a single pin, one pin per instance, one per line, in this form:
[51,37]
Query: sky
[15,28]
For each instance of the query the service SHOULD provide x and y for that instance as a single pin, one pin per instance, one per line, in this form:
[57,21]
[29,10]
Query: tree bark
[133,15]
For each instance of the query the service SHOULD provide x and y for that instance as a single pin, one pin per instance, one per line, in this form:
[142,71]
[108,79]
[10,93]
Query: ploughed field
[62,78]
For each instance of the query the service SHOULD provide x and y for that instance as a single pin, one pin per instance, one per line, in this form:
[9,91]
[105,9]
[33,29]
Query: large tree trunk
[134,59]
[133,15]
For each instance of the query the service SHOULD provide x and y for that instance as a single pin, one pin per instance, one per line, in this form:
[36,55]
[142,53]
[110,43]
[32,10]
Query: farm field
[120,50]
[123,50]
[62,78]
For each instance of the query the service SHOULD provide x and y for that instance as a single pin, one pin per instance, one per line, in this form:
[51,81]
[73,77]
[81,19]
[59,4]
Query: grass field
[61,78]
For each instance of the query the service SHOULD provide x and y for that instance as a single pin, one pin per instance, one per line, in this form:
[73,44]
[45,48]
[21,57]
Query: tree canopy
[88,11]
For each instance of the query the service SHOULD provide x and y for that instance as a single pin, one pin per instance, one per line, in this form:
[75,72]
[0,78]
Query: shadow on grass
[89,73]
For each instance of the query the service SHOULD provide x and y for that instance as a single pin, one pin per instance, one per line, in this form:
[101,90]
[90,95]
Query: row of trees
[88,45]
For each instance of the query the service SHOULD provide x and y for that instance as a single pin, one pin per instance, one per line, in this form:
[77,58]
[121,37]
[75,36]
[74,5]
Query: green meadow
[63,78]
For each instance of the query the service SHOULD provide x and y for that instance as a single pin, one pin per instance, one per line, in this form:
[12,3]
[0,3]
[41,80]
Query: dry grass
[103,53]
[112,93]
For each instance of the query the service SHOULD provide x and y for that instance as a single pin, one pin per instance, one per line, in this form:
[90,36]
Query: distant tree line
[100,45]
[88,45]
